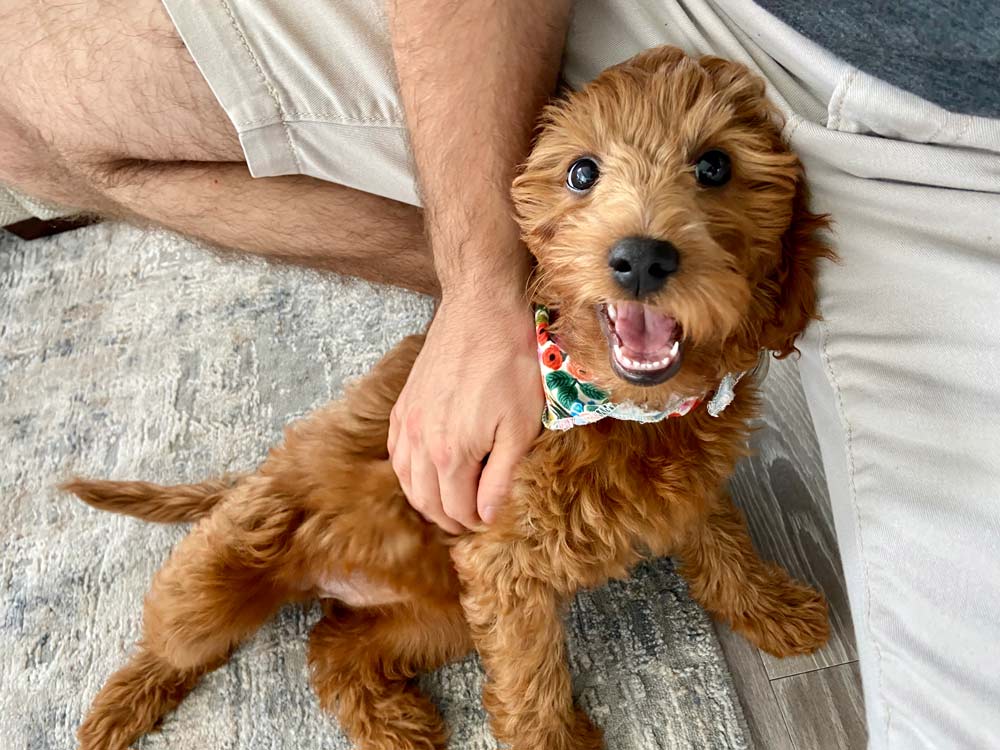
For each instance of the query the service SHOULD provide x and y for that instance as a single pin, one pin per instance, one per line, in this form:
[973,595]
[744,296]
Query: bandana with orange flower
[570,400]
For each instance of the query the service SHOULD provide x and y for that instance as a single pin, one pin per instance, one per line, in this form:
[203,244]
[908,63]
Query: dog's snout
[641,265]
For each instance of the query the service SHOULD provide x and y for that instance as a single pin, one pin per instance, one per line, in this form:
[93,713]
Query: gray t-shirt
[946,51]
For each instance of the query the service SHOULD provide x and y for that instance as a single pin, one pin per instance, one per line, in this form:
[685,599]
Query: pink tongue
[644,330]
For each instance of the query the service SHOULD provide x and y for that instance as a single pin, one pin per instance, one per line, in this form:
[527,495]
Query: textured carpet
[131,354]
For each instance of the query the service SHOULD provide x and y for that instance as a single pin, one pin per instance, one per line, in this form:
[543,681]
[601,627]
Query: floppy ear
[745,89]
[791,286]
[656,60]
[794,278]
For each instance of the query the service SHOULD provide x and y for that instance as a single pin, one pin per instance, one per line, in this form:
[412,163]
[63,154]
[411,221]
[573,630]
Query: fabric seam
[946,119]
[791,126]
[241,130]
[851,471]
[964,130]
[839,96]
[324,117]
[264,79]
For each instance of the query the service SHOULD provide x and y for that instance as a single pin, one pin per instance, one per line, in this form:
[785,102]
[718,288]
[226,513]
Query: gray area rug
[132,354]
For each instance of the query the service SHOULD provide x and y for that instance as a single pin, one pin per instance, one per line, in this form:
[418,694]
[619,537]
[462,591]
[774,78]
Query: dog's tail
[154,502]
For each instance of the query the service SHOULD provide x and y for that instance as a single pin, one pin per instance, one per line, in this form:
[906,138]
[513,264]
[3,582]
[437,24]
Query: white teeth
[612,313]
[633,364]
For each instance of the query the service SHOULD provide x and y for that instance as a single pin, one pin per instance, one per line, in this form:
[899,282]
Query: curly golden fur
[324,516]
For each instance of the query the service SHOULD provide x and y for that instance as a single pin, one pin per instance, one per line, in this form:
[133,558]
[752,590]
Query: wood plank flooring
[826,707]
[801,703]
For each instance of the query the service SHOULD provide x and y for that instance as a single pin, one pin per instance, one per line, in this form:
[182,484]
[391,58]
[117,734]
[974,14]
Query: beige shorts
[901,375]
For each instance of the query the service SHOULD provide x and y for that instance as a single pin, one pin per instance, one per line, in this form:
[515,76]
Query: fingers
[458,490]
[456,493]
[426,493]
[399,455]
[417,474]
[393,439]
[498,474]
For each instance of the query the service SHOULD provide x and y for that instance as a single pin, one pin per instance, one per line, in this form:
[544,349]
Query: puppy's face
[669,225]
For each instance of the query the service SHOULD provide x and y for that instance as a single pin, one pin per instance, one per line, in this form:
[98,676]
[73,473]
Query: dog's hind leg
[134,699]
[220,585]
[363,667]
[758,599]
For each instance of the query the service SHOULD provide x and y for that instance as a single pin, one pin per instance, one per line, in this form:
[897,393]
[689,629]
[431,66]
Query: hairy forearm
[472,77]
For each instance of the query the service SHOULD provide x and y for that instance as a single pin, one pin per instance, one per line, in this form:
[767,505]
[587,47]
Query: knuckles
[441,454]
[401,469]
[414,427]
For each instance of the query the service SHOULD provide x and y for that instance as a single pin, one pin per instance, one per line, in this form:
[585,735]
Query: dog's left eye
[582,175]
[713,168]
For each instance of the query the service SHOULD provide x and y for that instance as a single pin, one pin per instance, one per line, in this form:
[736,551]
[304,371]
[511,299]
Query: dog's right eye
[713,168]
[582,175]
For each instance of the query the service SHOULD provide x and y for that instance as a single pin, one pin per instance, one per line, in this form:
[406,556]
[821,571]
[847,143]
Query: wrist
[493,293]
[490,272]
[476,242]
[490,315]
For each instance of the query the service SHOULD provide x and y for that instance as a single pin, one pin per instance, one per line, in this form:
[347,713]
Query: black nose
[641,265]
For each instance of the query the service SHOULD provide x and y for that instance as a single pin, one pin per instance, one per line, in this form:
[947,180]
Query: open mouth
[646,344]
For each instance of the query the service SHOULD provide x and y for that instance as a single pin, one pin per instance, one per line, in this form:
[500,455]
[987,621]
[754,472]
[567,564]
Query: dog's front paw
[567,733]
[586,734]
[785,617]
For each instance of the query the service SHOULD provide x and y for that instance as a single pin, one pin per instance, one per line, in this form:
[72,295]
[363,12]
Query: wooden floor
[801,703]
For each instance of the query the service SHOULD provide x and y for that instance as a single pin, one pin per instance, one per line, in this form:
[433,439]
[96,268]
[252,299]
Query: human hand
[474,392]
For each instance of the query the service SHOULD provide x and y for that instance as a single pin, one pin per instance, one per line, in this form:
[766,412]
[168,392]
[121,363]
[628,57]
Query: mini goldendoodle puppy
[673,243]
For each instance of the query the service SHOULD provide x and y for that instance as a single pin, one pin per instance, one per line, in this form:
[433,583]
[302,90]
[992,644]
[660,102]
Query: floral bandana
[570,400]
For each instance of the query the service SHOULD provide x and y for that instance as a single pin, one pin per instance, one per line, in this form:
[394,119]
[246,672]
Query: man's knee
[33,156]
[41,160]
[32,166]
[21,165]
[108,82]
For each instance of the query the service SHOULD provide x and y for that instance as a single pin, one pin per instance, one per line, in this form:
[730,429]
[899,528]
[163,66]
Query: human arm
[472,78]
